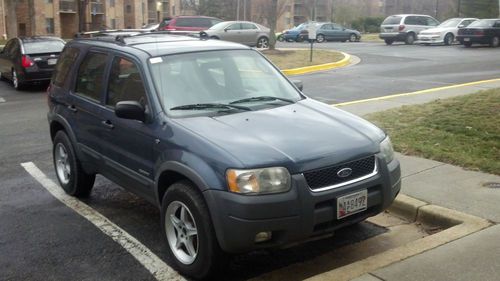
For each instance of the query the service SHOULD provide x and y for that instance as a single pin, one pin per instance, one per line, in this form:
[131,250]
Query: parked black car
[486,31]
[26,60]
[231,152]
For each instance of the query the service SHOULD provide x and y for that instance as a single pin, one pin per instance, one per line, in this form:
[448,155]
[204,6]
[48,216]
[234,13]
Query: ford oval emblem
[344,173]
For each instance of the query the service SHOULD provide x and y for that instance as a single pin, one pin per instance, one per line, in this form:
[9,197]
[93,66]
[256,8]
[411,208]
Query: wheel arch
[172,172]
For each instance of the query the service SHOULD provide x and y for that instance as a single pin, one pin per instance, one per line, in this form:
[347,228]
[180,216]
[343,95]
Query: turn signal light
[479,32]
[401,27]
[26,61]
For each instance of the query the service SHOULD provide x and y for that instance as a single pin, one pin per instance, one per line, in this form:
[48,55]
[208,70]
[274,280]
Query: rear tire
[495,42]
[69,171]
[410,39]
[448,39]
[263,42]
[388,41]
[320,38]
[16,83]
[192,243]
[353,38]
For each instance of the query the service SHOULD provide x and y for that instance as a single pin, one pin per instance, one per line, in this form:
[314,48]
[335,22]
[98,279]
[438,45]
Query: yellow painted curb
[327,66]
[428,91]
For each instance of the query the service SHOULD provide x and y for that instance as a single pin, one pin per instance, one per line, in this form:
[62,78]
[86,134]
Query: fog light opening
[263,236]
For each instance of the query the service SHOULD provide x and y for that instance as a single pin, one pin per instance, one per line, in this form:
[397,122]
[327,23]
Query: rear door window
[248,26]
[392,20]
[91,76]
[184,22]
[412,20]
[62,69]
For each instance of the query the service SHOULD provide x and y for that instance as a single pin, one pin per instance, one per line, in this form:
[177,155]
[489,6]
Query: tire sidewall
[352,38]
[448,39]
[322,38]
[62,138]
[207,252]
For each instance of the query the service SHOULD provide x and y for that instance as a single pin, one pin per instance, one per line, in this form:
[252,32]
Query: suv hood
[302,136]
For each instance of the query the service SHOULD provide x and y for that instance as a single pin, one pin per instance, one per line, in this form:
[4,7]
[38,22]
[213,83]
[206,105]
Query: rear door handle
[72,108]
[108,124]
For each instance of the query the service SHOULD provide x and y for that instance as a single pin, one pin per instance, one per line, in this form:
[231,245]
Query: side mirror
[225,29]
[130,110]
[298,84]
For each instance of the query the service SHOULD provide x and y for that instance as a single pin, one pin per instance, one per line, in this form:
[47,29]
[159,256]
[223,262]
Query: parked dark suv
[231,151]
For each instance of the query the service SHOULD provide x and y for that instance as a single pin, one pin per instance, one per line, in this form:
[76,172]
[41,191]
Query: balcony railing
[96,8]
[67,6]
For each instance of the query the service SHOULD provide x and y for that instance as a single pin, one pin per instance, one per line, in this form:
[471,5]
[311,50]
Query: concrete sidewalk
[475,257]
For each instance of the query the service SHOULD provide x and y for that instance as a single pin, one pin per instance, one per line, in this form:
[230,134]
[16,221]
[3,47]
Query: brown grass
[287,59]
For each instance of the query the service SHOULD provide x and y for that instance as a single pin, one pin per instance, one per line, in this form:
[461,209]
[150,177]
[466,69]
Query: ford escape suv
[231,152]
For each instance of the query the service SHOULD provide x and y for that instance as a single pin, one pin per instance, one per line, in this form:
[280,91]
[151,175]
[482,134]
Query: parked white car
[445,33]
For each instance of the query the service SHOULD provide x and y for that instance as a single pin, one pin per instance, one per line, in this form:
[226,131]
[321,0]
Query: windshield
[482,23]
[40,47]
[450,23]
[219,79]
[392,20]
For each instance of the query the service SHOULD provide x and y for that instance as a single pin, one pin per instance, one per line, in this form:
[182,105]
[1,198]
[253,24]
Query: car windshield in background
[39,47]
[219,81]
[450,23]
[482,23]
[392,20]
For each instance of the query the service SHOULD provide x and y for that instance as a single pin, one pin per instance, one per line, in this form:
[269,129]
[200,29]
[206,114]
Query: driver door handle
[108,124]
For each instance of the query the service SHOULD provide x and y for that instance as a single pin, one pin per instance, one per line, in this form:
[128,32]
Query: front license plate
[352,203]
[51,61]
[466,39]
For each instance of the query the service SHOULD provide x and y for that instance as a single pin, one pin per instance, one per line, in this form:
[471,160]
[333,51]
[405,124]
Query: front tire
[189,233]
[353,38]
[448,39]
[69,171]
[388,41]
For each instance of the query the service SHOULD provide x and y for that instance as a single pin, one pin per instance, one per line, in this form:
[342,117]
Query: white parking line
[158,268]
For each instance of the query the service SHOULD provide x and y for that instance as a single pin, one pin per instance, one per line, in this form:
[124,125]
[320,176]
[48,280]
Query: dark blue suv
[230,150]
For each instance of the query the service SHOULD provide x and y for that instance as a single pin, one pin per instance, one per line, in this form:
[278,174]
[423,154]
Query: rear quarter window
[392,20]
[62,69]
[41,47]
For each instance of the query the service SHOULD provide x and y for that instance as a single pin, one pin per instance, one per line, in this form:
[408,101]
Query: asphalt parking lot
[41,238]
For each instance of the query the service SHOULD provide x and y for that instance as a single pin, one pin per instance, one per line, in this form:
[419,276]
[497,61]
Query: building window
[48,1]
[113,23]
[49,25]
[111,3]
[173,10]
[129,9]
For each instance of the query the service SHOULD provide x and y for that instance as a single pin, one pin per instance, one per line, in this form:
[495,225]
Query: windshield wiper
[262,98]
[203,106]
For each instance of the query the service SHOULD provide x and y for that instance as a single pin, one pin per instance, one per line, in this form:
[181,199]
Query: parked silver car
[405,28]
[244,32]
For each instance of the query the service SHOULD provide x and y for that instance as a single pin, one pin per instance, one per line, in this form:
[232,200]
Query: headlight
[386,150]
[258,181]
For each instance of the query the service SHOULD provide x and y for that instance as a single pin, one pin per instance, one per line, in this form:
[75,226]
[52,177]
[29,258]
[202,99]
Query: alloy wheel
[63,167]
[15,80]
[181,231]
[263,43]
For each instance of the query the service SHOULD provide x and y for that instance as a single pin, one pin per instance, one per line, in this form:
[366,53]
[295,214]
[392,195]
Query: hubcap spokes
[182,234]
[62,164]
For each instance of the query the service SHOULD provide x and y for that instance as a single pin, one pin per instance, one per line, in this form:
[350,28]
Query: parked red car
[188,23]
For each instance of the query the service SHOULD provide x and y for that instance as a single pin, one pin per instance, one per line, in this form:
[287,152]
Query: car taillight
[479,32]
[401,27]
[26,61]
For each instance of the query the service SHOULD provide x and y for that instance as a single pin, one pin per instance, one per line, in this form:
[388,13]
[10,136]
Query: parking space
[43,238]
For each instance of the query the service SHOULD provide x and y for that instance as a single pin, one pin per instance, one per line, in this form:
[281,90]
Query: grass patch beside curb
[287,59]
[463,131]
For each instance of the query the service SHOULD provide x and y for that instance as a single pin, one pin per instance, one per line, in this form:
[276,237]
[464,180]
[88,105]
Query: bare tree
[269,12]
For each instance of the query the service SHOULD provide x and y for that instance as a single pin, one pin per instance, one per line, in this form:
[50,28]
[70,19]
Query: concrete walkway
[475,257]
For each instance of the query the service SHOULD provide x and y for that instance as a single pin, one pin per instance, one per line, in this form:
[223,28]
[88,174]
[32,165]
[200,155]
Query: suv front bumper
[295,215]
